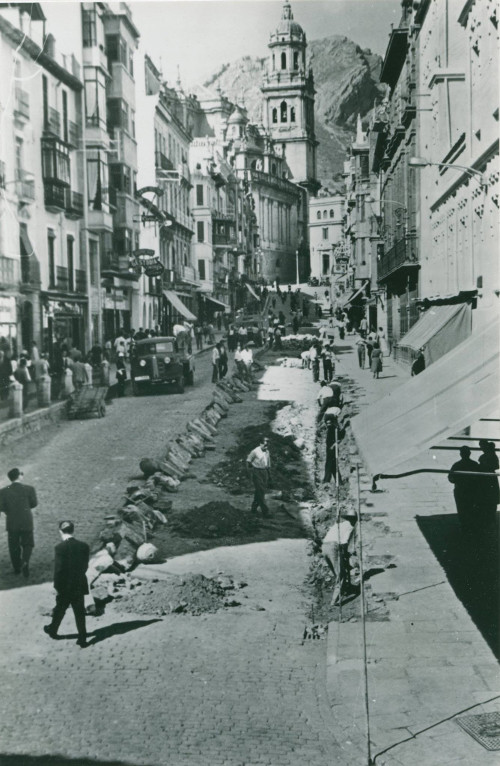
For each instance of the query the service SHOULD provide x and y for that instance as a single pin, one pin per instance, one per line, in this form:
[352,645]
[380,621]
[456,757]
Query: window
[199,194]
[275,115]
[118,114]
[65,115]
[51,238]
[325,214]
[274,62]
[332,214]
[318,215]
[283,111]
[132,123]
[19,158]
[89,27]
[273,169]
[325,233]
[326,263]
[200,230]
[118,50]
[94,262]
[283,60]
[71,266]
[55,163]
[364,166]
[292,114]
[97,179]
[295,59]
[95,96]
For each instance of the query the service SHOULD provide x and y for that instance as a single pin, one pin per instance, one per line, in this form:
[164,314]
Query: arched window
[325,214]
[275,115]
[283,60]
[274,62]
[254,165]
[332,214]
[283,111]
[295,59]
[292,114]
[318,215]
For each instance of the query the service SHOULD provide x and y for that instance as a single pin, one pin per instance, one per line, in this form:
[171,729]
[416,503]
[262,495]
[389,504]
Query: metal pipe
[363,621]
[379,476]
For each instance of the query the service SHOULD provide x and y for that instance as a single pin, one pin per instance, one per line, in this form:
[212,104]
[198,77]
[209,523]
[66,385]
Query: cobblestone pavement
[80,468]
[235,688]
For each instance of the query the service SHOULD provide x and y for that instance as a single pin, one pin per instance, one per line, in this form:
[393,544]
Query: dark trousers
[77,603]
[20,547]
[327,369]
[260,482]
[215,373]
[361,356]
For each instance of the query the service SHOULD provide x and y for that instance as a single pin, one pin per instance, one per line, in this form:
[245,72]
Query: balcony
[162,162]
[74,204]
[54,196]
[400,256]
[127,209]
[62,278]
[80,281]
[53,123]
[22,104]
[25,186]
[9,272]
[224,240]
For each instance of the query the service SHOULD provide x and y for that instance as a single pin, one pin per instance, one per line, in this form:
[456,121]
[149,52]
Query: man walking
[16,501]
[215,363]
[466,488]
[259,464]
[70,582]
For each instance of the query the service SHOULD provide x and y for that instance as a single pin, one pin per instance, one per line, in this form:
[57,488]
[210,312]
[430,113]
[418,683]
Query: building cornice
[37,54]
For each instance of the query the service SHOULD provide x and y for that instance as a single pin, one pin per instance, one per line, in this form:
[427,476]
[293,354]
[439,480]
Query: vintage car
[161,360]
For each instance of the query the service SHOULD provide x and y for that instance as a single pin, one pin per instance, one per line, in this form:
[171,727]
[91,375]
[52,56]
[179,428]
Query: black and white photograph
[249,383]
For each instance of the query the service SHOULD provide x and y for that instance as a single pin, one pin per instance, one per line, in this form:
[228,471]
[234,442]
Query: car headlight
[167,360]
[142,363]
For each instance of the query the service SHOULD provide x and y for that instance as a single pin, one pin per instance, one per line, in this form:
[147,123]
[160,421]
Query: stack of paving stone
[147,502]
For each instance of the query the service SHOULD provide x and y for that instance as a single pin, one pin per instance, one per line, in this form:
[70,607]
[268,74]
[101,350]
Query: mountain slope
[346,81]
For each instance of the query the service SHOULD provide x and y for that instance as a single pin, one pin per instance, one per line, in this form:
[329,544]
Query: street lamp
[421,162]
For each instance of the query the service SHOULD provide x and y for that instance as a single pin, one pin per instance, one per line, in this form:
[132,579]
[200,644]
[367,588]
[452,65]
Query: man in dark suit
[70,582]
[16,501]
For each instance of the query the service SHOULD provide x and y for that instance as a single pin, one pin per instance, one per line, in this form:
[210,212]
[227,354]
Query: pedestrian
[465,489]
[70,582]
[239,363]
[121,374]
[223,361]
[120,343]
[211,333]
[23,377]
[277,339]
[80,376]
[6,374]
[198,332]
[219,320]
[369,343]
[489,494]
[247,357]
[363,327]
[17,501]
[231,338]
[259,466]
[215,363]
[418,365]
[376,360]
[361,349]
[384,346]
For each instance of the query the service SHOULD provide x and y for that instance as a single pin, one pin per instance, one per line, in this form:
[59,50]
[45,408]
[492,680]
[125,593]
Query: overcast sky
[201,35]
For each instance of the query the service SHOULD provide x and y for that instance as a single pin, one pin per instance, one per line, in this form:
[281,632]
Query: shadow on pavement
[55,760]
[472,571]
[101,634]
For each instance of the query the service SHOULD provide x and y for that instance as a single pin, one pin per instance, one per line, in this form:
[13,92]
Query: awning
[251,291]
[178,305]
[356,293]
[453,393]
[440,329]
[216,302]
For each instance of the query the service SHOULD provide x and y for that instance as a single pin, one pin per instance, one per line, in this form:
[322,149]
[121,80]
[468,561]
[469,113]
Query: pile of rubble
[215,519]
[148,502]
[190,594]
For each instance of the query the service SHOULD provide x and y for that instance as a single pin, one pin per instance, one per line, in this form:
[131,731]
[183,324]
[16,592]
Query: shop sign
[154,269]
[7,310]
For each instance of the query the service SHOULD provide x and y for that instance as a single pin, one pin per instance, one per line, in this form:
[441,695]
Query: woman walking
[376,361]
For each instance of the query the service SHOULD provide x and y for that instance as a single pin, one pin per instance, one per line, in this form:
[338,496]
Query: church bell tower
[288,94]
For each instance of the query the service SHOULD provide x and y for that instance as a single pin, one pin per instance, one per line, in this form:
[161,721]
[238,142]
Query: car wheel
[180,384]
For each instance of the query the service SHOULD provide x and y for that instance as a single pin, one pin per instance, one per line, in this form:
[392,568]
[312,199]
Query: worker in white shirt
[215,363]
[240,364]
[259,465]
[247,358]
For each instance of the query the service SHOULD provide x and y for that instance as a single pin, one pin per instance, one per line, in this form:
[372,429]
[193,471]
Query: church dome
[287,25]
[237,117]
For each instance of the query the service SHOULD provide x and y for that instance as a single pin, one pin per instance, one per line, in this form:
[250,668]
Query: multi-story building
[164,138]
[326,232]
[458,138]
[288,117]
[43,257]
[395,143]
